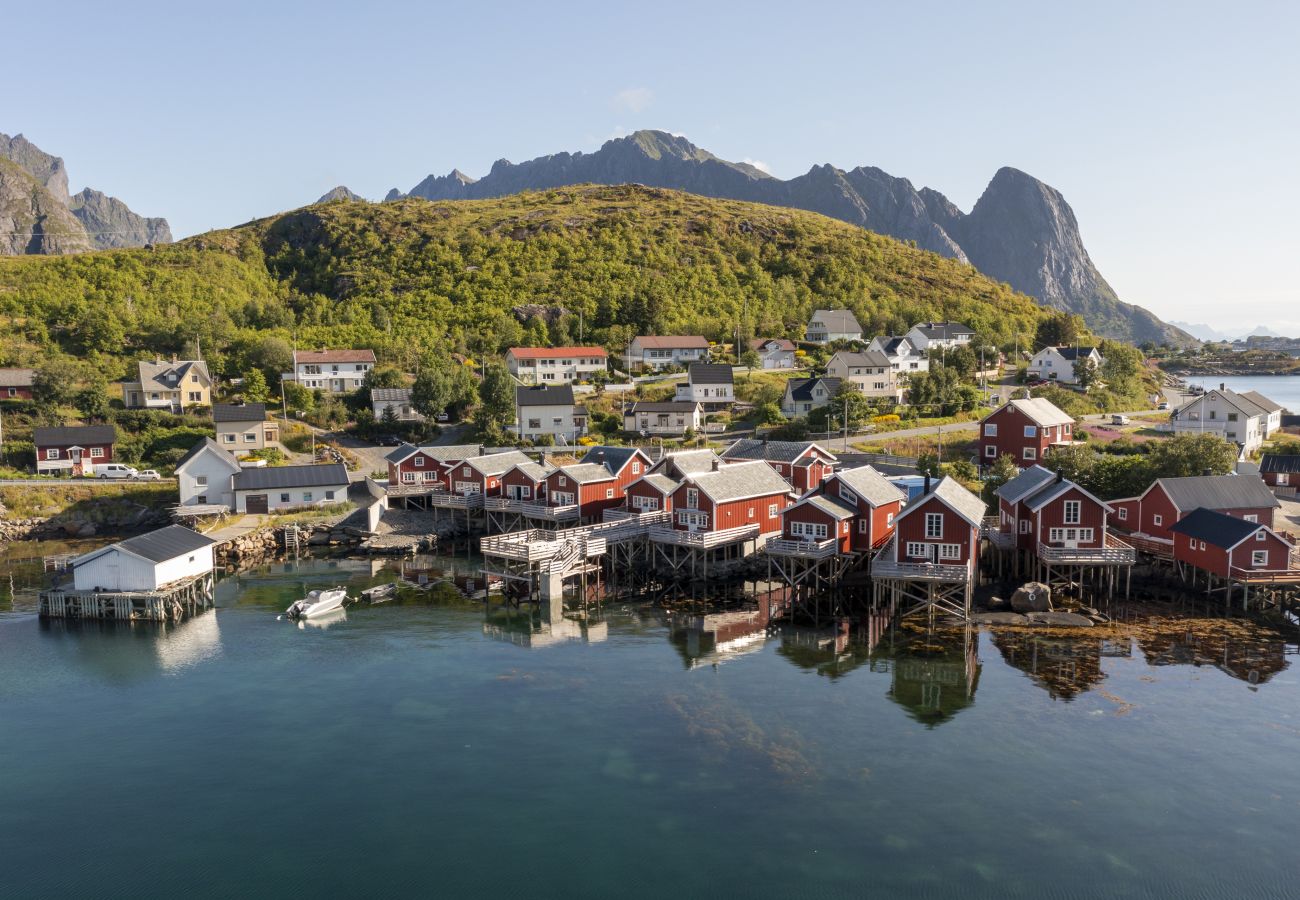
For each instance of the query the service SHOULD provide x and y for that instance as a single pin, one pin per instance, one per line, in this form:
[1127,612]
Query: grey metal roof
[390,395]
[668,406]
[687,462]
[1242,402]
[837,321]
[1215,528]
[156,546]
[612,458]
[943,330]
[443,453]
[272,478]
[783,344]
[661,483]
[891,344]
[207,443]
[1274,462]
[865,358]
[739,481]
[1218,492]
[401,452]
[497,463]
[169,376]
[956,498]
[535,471]
[1261,401]
[832,506]
[1049,493]
[586,473]
[802,388]
[772,451]
[68,435]
[1041,411]
[709,373]
[1074,353]
[16,377]
[232,412]
[1026,483]
[870,485]
[548,395]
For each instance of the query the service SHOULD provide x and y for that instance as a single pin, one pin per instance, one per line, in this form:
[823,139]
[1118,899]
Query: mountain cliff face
[339,193]
[1021,230]
[37,215]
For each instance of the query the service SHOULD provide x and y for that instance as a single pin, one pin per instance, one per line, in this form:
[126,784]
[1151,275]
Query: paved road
[47,482]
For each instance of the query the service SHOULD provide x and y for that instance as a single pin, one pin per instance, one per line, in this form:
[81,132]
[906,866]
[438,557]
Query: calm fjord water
[432,751]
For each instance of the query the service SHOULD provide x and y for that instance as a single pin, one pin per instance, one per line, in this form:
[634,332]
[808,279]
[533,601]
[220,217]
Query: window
[306,496]
[1251,518]
[228,438]
[950,551]
[1261,535]
[195,396]
[812,530]
[991,429]
[534,424]
[52,453]
[1121,513]
[1031,431]
[562,481]
[202,498]
[771,510]
[284,498]
[96,452]
[201,480]
[250,438]
[465,471]
[848,496]
[639,502]
[693,518]
[329,495]
[863,526]
[749,512]
[1259,558]
[1024,526]
[419,462]
[609,493]
[693,498]
[889,518]
[1073,512]
[1157,519]
[1031,453]
[1282,478]
[990,451]
[1191,543]
[916,549]
[1232,417]
[1202,545]
[408,477]
[636,466]
[934,525]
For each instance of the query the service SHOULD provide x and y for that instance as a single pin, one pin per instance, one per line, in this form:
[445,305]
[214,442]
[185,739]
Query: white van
[115,470]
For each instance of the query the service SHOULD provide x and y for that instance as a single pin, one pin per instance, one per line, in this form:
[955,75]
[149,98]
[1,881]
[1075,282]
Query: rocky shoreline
[80,524]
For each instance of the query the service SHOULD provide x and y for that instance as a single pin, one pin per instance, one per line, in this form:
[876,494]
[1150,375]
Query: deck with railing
[532,510]
[703,540]
[801,548]
[541,544]
[1289,575]
[884,566]
[1147,544]
[991,530]
[1114,552]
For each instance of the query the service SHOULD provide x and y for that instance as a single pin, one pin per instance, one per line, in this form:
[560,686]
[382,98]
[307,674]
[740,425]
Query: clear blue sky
[1173,134]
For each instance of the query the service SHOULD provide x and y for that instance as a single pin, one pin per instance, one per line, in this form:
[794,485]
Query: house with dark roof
[483,474]
[1168,500]
[146,562]
[411,465]
[774,353]
[16,384]
[1230,547]
[396,399]
[803,464]
[648,352]
[803,395]
[73,449]
[904,356]
[555,365]
[243,427]
[546,410]
[1039,507]
[827,325]
[870,371]
[289,487]
[929,336]
[1061,364]
[677,464]
[651,493]
[712,385]
[1235,417]
[332,371]
[1282,473]
[668,419]
[174,386]
[205,475]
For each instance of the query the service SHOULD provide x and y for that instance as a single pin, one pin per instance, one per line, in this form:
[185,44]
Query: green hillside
[412,276]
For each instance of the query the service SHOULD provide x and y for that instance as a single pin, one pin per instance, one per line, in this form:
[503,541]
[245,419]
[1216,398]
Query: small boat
[317,603]
[379,593]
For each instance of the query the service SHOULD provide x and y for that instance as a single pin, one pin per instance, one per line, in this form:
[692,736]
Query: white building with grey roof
[146,562]
[828,325]
[289,487]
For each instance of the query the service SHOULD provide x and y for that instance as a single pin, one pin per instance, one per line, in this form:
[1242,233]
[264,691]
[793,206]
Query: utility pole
[846,423]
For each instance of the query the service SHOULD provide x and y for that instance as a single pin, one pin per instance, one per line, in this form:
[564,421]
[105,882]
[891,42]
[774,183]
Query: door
[256,503]
[934,554]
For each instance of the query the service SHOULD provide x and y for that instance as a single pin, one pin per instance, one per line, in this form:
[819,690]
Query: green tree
[1002,470]
[432,392]
[297,397]
[55,382]
[1058,329]
[751,361]
[92,403]
[255,389]
[768,414]
[1085,372]
[1185,455]
[496,396]
[1121,364]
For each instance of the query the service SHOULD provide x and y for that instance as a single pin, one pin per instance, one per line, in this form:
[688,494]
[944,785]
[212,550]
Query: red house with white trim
[626,464]
[802,463]
[871,501]
[732,496]
[590,487]
[483,474]
[411,465]
[1281,472]
[525,482]
[1168,500]
[1023,429]
[16,384]
[1228,546]
[941,527]
[651,493]
[73,449]
[1039,506]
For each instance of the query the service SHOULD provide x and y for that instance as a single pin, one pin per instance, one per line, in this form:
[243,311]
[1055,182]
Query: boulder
[999,618]
[1059,619]
[1032,597]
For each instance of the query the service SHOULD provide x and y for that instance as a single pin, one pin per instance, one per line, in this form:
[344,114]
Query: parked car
[388,440]
[149,475]
[1164,404]
[115,470]
[1117,419]
[443,417]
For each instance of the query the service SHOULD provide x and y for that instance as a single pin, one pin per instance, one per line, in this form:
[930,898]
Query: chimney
[1222,386]
[717,464]
[1208,473]
[927,484]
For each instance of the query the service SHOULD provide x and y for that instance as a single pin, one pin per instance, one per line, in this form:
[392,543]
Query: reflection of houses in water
[709,640]
[1064,667]
[937,680]
[134,651]
[541,626]
[831,652]
[1252,661]
[426,570]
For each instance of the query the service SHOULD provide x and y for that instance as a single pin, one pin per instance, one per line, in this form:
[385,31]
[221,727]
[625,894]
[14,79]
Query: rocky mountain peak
[339,193]
[46,169]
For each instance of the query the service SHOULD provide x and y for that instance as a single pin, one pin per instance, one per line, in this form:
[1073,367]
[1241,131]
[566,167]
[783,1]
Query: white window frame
[408,478]
[864,526]
[917,548]
[1073,512]
[1258,558]
[1157,519]
[1031,431]
[1030,453]
[932,519]
[950,551]
[772,510]
[96,452]
[1121,513]
[990,451]
[990,429]
[419,461]
[1024,526]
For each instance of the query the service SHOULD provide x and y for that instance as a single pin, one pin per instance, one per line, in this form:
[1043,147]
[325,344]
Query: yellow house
[174,386]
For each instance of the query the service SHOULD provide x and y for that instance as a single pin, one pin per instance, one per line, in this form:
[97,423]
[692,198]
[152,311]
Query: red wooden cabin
[651,493]
[409,464]
[73,449]
[482,474]
[875,501]
[1041,507]
[591,488]
[525,482]
[732,496]
[941,527]
[1228,546]
[1023,429]
[1168,500]
[626,464]
[16,384]
[802,463]
[1281,472]
[820,517]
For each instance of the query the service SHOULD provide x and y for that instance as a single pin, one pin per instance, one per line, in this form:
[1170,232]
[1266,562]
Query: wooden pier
[170,603]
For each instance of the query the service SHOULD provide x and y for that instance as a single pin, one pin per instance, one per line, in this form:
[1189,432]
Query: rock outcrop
[32,220]
[110,223]
[1021,231]
[339,193]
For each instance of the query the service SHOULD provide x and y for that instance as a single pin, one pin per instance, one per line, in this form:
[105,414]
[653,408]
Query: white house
[204,475]
[929,336]
[668,419]
[555,365]
[828,325]
[870,371]
[647,351]
[1230,415]
[903,355]
[289,487]
[334,371]
[803,395]
[545,410]
[775,353]
[396,399]
[145,562]
[243,427]
[1273,411]
[709,384]
[1061,364]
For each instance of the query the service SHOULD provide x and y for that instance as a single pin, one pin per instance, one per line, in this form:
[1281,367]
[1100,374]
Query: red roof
[673,341]
[781,343]
[333,356]
[555,352]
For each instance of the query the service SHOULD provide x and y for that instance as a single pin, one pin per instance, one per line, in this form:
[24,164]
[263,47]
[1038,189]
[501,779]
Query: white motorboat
[317,603]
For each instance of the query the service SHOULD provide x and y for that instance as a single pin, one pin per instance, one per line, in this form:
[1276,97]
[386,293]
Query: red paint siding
[645,490]
[835,528]
[956,530]
[1217,560]
[426,469]
[733,514]
[518,478]
[1128,513]
[1157,503]
[1011,440]
[1091,515]
[42,452]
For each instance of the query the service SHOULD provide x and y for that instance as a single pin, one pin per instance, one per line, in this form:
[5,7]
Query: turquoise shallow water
[436,751]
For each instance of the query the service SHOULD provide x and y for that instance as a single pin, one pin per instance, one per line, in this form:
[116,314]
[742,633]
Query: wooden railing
[1289,575]
[1113,552]
[703,539]
[805,549]
[1146,544]
[532,509]
[885,567]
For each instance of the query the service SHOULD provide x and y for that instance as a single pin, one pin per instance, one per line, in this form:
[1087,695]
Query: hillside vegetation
[413,277]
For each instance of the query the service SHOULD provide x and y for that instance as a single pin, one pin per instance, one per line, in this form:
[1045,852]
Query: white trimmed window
[848,496]
[1259,558]
[1024,526]
[864,526]
[693,518]
[52,453]
[96,452]
[1031,453]
[1031,431]
[1157,519]
[950,551]
[693,498]
[419,462]
[609,493]
[1261,535]
[408,478]
[811,530]
[990,451]
[562,481]
[1244,518]
[1073,512]
[772,510]
[1121,513]
[228,438]
[917,549]
[643,503]
[636,467]
[991,429]
[934,525]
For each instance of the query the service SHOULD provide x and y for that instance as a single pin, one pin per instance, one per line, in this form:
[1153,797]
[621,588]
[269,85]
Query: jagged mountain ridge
[39,216]
[341,192]
[1021,230]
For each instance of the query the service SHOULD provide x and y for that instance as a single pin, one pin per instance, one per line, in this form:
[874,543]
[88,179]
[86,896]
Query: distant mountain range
[1021,230]
[1207,333]
[38,216]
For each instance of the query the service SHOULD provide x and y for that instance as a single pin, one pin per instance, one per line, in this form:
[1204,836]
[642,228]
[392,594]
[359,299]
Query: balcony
[532,510]
[991,529]
[949,573]
[803,549]
[412,488]
[1114,552]
[703,540]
